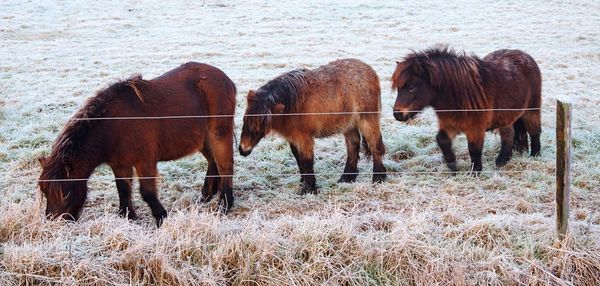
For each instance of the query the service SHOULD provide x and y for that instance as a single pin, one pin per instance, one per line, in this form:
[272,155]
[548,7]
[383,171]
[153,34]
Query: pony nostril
[244,150]
[399,115]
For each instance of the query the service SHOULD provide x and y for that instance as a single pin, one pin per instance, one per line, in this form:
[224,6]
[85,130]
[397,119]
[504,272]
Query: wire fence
[298,114]
[111,178]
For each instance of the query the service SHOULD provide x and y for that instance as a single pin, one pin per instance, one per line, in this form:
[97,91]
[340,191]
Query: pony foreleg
[149,192]
[507,135]
[123,180]
[306,164]
[297,157]
[445,143]
[475,140]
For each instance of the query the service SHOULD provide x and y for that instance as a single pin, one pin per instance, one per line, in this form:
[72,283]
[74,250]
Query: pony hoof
[130,214]
[308,190]
[347,179]
[159,220]
[475,172]
[205,198]
[225,203]
[379,178]
[452,166]
[223,210]
[500,162]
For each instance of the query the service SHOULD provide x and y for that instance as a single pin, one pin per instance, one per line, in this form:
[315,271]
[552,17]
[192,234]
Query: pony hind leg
[352,138]
[222,152]
[533,125]
[123,179]
[520,142]
[506,136]
[211,181]
[148,179]
[369,128]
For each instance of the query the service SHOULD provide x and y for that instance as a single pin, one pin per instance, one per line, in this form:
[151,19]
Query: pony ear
[42,160]
[251,95]
[400,75]
[277,108]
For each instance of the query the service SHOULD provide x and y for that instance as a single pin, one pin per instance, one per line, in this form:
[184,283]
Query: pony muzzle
[401,115]
[244,149]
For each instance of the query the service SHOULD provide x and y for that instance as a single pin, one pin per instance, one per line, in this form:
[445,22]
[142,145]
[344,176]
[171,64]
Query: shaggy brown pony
[344,88]
[190,90]
[447,80]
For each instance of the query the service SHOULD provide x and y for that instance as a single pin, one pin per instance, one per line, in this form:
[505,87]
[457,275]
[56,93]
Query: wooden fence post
[563,167]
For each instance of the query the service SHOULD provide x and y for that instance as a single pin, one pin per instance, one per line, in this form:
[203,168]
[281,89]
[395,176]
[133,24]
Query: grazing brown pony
[344,88]
[186,92]
[509,80]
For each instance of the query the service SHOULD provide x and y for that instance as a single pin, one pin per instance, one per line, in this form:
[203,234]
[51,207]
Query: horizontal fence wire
[290,114]
[296,114]
[110,178]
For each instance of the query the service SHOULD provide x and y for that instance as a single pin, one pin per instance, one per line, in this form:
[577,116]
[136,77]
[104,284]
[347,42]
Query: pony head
[64,198]
[414,90]
[257,120]
[437,75]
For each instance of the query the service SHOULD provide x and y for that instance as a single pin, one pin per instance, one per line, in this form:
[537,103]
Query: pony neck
[438,102]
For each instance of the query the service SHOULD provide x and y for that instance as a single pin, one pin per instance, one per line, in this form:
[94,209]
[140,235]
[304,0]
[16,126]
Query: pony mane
[454,74]
[286,89]
[78,128]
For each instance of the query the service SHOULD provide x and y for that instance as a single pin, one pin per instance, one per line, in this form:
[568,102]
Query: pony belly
[330,131]
[504,120]
[174,152]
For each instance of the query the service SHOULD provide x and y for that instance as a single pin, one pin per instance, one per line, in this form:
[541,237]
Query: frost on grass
[330,246]
[415,229]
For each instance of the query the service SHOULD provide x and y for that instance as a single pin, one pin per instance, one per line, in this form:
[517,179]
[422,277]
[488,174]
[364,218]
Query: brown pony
[343,88]
[508,80]
[186,93]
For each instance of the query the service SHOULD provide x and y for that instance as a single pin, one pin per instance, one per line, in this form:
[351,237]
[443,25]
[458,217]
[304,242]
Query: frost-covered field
[416,229]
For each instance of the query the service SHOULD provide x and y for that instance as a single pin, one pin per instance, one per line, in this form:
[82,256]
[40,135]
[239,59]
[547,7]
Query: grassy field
[415,229]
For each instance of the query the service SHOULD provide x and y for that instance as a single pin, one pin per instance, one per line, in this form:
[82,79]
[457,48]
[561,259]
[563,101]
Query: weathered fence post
[563,167]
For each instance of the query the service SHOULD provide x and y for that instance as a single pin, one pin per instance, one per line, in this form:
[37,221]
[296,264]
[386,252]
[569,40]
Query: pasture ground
[415,229]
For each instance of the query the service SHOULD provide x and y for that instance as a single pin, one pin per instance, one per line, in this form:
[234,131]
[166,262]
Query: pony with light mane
[464,91]
[189,95]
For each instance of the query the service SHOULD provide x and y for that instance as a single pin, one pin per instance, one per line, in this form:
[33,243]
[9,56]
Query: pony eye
[412,89]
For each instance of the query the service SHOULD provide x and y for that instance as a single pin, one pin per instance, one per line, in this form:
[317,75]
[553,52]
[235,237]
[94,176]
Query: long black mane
[454,74]
[286,89]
